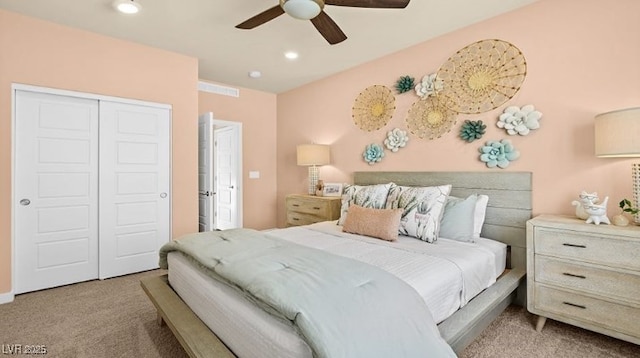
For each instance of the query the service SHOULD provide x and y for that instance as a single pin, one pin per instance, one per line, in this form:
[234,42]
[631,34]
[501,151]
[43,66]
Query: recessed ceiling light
[291,55]
[255,74]
[127,6]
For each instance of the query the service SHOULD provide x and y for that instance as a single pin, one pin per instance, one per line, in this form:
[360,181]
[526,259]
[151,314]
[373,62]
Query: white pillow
[422,209]
[479,215]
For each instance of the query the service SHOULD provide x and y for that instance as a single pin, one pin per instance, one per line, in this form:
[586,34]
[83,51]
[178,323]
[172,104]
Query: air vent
[217,89]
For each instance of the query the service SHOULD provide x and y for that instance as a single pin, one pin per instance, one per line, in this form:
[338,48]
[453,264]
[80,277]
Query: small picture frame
[332,189]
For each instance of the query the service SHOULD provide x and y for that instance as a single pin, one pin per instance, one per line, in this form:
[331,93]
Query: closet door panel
[55,190]
[134,186]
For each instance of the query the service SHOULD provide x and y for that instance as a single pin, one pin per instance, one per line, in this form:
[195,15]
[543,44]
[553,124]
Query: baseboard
[6,297]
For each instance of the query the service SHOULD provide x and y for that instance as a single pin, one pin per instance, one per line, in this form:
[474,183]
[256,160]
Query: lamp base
[314,175]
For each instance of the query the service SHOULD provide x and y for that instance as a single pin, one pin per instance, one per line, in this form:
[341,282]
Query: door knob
[206,193]
[163,195]
[25,202]
[231,187]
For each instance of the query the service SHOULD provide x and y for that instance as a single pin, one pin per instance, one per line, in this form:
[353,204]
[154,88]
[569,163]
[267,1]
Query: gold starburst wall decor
[430,118]
[373,108]
[482,76]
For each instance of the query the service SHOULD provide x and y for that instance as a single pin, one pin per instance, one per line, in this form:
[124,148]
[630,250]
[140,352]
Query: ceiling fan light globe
[302,9]
[127,6]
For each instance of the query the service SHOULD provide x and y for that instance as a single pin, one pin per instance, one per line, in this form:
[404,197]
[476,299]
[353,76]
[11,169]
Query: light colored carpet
[114,318]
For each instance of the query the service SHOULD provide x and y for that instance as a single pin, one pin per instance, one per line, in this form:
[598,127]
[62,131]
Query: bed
[506,214]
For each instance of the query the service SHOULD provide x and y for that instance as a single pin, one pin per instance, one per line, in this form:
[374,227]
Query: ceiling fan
[314,10]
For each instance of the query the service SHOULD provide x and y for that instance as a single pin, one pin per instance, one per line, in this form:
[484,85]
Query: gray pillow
[457,221]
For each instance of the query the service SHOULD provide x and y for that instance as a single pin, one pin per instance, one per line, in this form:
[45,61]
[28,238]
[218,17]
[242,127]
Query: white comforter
[447,273]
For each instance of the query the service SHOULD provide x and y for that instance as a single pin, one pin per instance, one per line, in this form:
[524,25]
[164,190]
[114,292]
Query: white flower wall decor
[429,86]
[396,139]
[516,120]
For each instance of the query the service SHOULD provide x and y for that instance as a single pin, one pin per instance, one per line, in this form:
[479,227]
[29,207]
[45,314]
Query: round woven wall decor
[482,76]
[430,118]
[373,108]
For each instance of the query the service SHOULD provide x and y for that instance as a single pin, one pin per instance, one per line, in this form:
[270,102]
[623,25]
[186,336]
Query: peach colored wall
[583,59]
[44,54]
[256,111]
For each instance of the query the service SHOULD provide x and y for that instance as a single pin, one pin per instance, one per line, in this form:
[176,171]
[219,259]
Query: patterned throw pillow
[423,208]
[367,196]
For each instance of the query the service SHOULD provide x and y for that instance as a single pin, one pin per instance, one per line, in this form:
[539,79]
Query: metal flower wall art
[498,153]
[516,120]
[373,153]
[472,130]
[429,86]
[404,84]
[396,139]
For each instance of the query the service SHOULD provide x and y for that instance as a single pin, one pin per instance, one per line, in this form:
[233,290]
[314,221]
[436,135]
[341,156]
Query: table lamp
[617,135]
[313,155]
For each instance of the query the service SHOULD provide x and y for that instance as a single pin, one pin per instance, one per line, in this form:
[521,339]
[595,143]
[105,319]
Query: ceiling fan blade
[388,4]
[261,18]
[328,28]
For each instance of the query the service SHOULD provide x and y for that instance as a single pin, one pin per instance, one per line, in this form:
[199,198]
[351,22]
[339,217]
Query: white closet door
[134,187]
[55,190]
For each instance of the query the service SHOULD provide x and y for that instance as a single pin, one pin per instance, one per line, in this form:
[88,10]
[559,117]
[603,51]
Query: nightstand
[309,209]
[585,275]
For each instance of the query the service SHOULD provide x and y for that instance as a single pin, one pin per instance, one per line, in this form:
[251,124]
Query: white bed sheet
[447,274]
[434,270]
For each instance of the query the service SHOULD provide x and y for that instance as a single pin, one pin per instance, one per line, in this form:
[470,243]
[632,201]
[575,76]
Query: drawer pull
[296,205]
[573,275]
[574,245]
[575,305]
[296,219]
[316,208]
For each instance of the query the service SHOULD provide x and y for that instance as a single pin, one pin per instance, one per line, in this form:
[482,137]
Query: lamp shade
[313,154]
[617,133]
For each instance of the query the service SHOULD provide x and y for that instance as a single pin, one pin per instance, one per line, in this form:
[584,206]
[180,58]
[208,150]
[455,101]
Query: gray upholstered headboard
[509,205]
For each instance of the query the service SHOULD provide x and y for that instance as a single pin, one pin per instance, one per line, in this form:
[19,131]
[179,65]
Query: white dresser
[584,274]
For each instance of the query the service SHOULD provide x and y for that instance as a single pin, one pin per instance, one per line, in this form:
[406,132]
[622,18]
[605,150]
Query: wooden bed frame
[508,210]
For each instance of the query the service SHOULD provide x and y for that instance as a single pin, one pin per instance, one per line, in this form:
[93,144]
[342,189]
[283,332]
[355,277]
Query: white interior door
[205,168]
[134,186]
[226,177]
[55,190]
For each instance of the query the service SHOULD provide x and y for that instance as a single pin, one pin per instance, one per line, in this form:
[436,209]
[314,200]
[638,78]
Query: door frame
[239,168]
[9,297]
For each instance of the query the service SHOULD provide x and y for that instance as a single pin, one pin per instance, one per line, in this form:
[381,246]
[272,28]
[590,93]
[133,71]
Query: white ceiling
[205,29]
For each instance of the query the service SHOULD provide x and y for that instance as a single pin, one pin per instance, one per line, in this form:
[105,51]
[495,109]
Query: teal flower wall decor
[472,130]
[396,139]
[373,153]
[404,84]
[498,153]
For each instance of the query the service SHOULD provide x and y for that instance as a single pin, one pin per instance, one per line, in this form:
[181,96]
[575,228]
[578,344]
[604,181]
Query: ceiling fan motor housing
[302,9]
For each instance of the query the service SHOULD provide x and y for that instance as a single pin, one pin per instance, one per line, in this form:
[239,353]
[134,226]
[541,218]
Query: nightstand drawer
[612,316]
[587,278]
[295,218]
[586,247]
[307,206]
